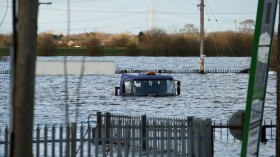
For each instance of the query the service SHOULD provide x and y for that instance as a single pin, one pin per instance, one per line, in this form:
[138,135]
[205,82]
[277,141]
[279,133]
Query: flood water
[214,96]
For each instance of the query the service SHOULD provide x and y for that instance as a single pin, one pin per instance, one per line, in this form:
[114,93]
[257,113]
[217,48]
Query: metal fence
[120,135]
[221,131]
[117,135]
[183,71]
[153,136]
[179,71]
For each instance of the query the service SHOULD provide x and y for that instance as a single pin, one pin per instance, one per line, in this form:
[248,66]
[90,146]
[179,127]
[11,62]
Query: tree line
[154,42]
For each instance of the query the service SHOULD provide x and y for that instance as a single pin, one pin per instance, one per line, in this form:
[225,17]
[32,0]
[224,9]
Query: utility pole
[23,76]
[202,37]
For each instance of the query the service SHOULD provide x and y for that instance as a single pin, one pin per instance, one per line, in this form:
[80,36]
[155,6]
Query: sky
[117,16]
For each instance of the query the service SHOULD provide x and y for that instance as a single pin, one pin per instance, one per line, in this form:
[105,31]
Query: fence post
[108,124]
[6,141]
[96,139]
[196,137]
[99,124]
[82,141]
[190,136]
[89,139]
[169,138]
[53,140]
[73,139]
[46,141]
[208,138]
[154,137]
[144,131]
[38,141]
[184,137]
[263,134]
[60,140]
[67,141]
[162,137]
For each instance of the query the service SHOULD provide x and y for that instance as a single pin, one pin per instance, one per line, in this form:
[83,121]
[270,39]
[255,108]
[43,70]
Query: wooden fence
[119,136]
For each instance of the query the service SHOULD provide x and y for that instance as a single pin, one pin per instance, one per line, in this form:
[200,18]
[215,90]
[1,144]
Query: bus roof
[132,77]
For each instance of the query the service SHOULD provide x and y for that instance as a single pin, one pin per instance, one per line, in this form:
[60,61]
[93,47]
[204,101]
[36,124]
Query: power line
[220,28]
[5,13]
[144,12]
[80,1]
[190,2]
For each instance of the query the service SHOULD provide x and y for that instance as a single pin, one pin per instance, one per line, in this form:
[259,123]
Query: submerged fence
[182,71]
[119,135]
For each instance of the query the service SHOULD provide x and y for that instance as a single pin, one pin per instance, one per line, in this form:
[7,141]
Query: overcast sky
[115,16]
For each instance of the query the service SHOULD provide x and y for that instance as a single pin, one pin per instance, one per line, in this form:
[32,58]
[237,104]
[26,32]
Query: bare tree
[24,78]
[189,29]
[247,26]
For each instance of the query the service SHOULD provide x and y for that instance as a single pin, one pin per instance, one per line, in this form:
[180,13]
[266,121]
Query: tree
[156,40]
[189,29]
[47,45]
[93,46]
[24,78]
[141,37]
[247,26]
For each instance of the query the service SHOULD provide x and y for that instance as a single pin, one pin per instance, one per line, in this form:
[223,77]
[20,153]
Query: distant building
[71,43]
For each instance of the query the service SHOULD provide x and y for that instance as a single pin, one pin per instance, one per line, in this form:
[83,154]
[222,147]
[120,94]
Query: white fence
[122,136]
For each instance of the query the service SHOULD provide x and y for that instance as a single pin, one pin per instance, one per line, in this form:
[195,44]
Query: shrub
[46,45]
